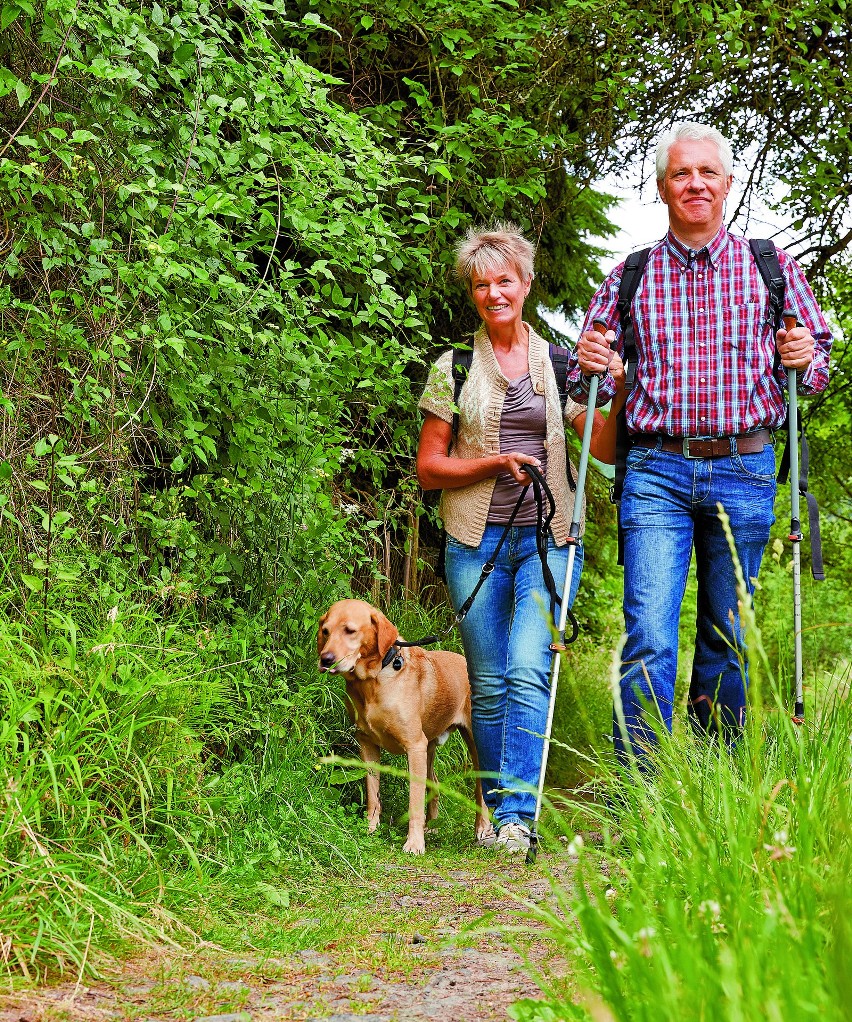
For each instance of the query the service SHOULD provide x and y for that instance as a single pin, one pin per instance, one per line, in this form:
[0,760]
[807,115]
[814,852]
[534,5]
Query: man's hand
[593,350]
[795,346]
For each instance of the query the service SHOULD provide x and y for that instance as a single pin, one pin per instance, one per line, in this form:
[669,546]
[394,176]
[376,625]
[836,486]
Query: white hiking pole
[795,536]
[574,542]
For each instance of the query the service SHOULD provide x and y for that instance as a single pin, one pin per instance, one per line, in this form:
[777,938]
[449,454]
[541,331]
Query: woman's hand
[436,470]
[619,374]
[514,465]
[602,445]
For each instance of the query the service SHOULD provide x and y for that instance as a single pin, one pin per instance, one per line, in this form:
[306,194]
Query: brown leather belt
[714,447]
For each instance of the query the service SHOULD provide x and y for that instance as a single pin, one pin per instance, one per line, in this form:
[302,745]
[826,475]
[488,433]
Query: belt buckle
[686,454]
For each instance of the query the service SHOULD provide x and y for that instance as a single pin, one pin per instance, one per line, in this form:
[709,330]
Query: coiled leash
[542,494]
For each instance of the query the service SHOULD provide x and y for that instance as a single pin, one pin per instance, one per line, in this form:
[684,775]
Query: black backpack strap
[559,359]
[766,259]
[462,358]
[631,277]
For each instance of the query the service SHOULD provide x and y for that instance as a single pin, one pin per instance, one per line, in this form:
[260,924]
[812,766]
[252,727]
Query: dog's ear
[386,633]
[320,637]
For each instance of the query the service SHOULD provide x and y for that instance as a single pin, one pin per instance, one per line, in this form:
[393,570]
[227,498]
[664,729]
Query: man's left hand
[796,347]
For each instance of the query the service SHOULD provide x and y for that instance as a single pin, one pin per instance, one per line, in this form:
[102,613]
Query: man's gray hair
[486,249]
[693,132]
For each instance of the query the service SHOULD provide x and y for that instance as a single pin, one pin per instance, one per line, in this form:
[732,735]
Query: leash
[541,492]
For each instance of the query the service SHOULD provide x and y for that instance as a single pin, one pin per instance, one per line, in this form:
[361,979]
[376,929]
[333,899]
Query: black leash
[541,491]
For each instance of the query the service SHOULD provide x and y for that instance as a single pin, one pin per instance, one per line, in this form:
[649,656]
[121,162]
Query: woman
[509,416]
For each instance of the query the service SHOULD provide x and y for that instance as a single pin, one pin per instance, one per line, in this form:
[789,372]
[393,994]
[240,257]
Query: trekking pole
[795,536]
[558,648]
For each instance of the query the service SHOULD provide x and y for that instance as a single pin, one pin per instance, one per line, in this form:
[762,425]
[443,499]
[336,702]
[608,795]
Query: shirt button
[539,387]
[703,380]
[701,310]
[703,418]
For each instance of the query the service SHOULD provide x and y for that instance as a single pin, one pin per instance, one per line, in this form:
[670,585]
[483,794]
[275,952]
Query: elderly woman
[509,416]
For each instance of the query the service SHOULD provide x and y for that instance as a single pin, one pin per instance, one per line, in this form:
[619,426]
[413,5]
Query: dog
[409,706]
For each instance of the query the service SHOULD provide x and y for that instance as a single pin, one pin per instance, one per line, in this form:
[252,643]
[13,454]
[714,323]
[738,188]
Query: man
[705,345]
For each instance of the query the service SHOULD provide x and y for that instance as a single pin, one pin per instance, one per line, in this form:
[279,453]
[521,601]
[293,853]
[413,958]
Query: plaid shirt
[705,341]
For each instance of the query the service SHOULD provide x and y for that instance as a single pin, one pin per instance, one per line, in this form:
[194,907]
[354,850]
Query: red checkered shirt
[705,341]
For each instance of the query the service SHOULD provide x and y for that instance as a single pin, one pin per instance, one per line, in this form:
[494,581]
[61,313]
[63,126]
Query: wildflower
[780,849]
[575,846]
[112,614]
[711,912]
[610,894]
[644,938]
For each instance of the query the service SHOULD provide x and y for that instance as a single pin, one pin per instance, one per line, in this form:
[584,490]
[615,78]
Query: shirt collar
[714,248]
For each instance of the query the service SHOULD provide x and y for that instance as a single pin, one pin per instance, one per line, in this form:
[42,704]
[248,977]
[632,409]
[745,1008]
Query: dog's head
[352,638]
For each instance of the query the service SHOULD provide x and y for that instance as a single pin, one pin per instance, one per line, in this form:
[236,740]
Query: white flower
[112,614]
[575,847]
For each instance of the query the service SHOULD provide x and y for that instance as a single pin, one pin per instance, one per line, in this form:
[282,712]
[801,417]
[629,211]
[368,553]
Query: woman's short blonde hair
[486,249]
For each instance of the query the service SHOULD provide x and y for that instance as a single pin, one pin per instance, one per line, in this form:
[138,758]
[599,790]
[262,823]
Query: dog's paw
[415,846]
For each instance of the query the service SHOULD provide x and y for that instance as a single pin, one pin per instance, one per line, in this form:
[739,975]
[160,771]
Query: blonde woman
[510,415]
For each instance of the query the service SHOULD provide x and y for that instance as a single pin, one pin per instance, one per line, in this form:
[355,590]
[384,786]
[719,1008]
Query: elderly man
[706,368]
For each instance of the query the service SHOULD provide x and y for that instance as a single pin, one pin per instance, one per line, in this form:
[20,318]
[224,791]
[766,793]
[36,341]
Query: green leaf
[7,15]
[274,895]
[184,52]
[32,583]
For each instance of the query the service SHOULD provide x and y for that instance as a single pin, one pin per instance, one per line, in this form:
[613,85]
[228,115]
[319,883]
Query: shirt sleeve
[438,393]
[799,299]
[603,309]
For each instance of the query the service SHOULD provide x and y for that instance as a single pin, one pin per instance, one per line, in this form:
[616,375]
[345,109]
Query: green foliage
[503,105]
[197,301]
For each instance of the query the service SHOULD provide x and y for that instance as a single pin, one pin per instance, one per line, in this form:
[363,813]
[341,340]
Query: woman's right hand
[515,460]
[436,470]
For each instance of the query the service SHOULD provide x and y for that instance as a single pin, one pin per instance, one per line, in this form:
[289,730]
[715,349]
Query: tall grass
[142,764]
[721,891]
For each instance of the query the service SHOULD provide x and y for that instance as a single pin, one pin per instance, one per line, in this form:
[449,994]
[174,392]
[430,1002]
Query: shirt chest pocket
[746,352]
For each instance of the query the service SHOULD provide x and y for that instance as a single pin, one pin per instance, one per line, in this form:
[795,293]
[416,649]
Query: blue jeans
[506,637]
[669,506]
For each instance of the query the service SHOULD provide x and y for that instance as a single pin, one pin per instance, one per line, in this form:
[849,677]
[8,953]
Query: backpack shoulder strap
[559,359]
[631,276]
[766,259]
[462,358]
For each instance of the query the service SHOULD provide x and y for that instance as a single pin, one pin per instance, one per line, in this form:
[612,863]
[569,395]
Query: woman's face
[499,295]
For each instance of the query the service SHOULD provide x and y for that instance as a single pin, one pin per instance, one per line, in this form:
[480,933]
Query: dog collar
[394,657]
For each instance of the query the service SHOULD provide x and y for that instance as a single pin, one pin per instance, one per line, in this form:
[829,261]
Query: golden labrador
[408,706]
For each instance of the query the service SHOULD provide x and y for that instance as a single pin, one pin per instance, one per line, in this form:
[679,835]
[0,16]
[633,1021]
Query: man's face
[694,188]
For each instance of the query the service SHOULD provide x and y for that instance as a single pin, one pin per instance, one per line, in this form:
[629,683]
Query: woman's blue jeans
[506,637]
[668,506]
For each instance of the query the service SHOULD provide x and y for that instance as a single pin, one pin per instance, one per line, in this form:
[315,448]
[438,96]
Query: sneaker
[514,838]
[488,839]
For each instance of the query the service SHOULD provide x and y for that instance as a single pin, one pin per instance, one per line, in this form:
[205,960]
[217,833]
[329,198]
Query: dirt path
[434,945]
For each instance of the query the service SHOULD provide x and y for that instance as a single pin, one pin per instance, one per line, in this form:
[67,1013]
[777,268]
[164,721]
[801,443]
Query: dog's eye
[324,631]
[348,630]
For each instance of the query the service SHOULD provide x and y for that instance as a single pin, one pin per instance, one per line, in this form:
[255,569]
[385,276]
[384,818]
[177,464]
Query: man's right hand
[593,350]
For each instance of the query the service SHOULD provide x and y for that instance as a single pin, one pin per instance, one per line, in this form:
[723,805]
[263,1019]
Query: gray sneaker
[488,838]
[514,838]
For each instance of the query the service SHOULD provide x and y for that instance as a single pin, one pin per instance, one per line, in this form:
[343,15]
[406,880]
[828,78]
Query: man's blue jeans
[506,638]
[669,506]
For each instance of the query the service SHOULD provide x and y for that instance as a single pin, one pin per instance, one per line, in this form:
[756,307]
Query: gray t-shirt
[523,427]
